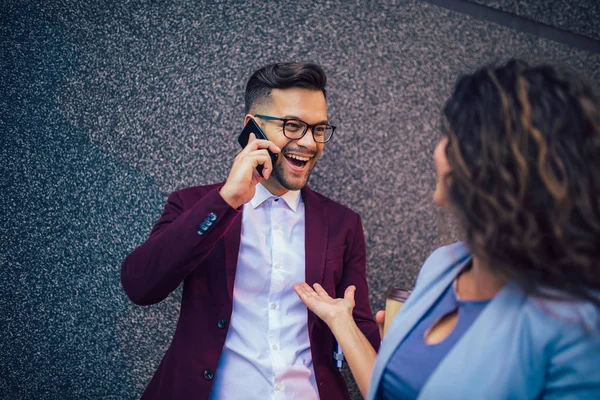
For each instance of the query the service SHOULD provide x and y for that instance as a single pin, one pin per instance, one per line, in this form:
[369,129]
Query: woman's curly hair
[524,152]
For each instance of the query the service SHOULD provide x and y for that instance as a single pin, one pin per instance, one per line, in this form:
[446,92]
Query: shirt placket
[275,294]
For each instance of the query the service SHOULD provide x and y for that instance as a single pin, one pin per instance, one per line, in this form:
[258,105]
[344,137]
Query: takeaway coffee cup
[393,302]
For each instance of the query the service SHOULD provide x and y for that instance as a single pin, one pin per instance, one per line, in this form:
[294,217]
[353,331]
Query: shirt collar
[291,197]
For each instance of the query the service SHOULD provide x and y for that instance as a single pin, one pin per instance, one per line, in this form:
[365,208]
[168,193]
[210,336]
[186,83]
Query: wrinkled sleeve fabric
[574,365]
[176,245]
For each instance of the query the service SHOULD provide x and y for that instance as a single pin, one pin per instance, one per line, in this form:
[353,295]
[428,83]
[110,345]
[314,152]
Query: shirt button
[277,265]
[273,306]
[276,226]
[222,323]
[274,347]
[278,387]
[208,374]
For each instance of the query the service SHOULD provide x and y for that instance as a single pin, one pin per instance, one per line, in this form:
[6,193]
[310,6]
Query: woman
[514,311]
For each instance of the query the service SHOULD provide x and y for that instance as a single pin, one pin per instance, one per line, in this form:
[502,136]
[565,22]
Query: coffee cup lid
[398,294]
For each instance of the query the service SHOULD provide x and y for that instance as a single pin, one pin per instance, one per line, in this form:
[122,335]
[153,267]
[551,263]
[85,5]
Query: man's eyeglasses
[296,128]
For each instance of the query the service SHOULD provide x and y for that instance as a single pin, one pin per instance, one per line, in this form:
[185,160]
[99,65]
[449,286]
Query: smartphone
[252,127]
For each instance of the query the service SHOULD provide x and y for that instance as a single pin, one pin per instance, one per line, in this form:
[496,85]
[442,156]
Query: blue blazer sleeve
[574,361]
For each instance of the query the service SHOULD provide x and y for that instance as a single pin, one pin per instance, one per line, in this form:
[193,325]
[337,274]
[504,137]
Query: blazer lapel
[457,370]
[232,238]
[411,312]
[316,234]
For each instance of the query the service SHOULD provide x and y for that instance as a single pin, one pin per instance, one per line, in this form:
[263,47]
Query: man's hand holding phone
[243,176]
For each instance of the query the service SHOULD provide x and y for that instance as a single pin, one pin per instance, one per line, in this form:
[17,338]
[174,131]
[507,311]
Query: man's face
[298,157]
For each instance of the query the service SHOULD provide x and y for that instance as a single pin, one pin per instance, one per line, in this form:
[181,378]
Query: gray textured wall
[107,107]
[577,16]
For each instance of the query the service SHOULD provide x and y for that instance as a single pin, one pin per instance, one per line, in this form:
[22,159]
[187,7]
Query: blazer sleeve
[354,273]
[176,246]
[574,365]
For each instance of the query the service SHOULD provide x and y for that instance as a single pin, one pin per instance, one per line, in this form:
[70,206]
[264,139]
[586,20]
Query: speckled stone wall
[106,107]
[577,16]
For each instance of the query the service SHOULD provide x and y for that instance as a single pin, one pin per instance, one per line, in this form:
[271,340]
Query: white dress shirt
[267,350]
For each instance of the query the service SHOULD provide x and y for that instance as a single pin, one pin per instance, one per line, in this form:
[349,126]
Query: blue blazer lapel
[429,288]
[454,377]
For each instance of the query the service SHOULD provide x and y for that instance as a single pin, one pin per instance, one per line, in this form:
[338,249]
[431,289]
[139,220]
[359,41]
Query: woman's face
[440,195]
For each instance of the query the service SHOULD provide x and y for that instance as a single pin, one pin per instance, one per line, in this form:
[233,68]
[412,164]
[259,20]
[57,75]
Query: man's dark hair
[283,76]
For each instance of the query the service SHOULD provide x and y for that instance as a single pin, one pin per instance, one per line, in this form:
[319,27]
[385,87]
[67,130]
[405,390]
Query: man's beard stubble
[279,173]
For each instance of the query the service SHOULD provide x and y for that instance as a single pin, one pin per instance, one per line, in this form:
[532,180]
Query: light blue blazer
[520,347]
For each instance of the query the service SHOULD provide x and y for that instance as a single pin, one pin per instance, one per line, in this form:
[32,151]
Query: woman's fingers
[380,319]
[321,292]
[318,301]
[349,293]
[304,291]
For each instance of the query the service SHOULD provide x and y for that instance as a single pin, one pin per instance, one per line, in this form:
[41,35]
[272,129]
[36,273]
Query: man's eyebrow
[322,122]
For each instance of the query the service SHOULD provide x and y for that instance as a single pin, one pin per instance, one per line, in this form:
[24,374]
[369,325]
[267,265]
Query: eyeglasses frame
[308,126]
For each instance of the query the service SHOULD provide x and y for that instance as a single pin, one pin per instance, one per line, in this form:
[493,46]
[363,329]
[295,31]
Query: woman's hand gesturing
[328,309]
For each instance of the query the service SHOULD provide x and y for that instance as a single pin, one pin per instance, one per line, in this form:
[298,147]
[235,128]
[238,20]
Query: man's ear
[247,118]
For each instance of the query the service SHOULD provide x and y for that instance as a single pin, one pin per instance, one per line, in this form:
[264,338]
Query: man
[239,246]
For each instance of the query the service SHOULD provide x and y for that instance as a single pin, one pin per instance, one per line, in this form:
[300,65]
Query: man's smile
[297,160]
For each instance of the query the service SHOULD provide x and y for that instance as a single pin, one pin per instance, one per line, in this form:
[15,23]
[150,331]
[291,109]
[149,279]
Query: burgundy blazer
[196,241]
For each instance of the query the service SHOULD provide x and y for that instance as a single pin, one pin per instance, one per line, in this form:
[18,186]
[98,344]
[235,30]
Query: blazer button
[222,323]
[208,374]
[212,217]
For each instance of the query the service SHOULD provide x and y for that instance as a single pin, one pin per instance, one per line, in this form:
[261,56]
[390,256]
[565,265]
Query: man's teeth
[300,158]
